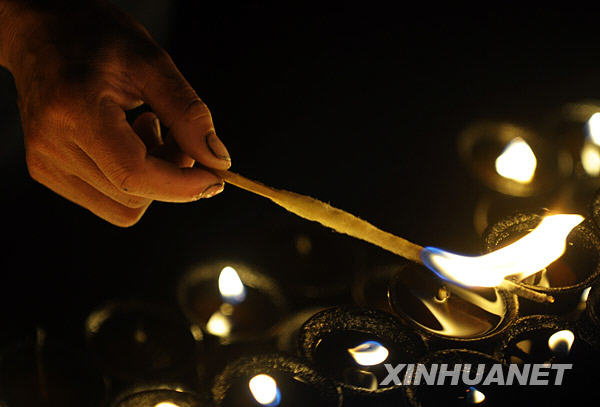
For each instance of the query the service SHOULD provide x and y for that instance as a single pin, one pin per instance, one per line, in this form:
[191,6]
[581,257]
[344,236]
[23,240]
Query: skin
[77,69]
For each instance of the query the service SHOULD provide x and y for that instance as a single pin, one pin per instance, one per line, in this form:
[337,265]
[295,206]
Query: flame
[369,353]
[583,300]
[474,396]
[517,161]
[264,390]
[218,324]
[590,159]
[166,404]
[526,256]
[230,286]
[560,342]
[585,294]
[590,153]
[593,128]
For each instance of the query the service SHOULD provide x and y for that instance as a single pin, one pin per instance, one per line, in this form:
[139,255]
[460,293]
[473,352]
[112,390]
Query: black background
[359,106]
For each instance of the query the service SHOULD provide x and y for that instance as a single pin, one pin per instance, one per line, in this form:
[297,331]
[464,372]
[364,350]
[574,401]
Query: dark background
[359,106]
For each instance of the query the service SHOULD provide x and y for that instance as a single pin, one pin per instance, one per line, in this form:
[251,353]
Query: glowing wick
[560,342]
[528,255]
[264,390]
[474,396]
[166,404]
[517,161]
[231,287]
[369,353]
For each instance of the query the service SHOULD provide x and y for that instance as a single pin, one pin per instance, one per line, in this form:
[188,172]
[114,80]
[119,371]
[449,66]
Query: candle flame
[474,396]
[560,342]
[585,294]
[590,159]
[231,287]
[369,353]
[264,390]
[590,153]
[526,256]
[517,161]
[593,128]
[218,324]
[166,404]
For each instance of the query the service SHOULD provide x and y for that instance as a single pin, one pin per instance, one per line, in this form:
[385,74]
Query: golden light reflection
[264,390]
[524,346]
[230,286]
[369,353]
[560,342]
[528,255]
[218,324]
[517,161]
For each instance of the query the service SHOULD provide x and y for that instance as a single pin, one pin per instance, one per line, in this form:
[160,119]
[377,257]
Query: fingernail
[212,190]
[156,128]
[216,147]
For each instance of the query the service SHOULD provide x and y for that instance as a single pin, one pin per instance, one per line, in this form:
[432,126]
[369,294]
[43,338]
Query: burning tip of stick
[482,280]
[528,255]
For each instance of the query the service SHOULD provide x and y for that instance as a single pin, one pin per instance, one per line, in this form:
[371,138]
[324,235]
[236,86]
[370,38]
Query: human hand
[77,70]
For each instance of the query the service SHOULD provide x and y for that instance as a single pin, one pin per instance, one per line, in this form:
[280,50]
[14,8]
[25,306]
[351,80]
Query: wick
[525,292]
[328,216]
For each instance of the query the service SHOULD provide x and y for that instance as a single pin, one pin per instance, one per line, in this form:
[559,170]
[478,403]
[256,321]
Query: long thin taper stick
[344,222]
[341,221]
